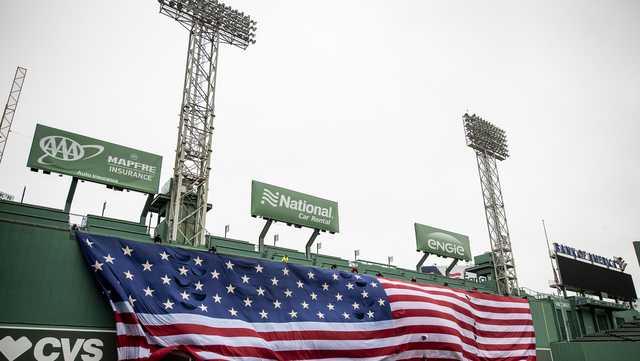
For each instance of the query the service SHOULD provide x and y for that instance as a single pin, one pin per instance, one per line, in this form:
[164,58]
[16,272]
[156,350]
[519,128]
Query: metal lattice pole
[188,211]
[490,145]
[210,23]
[495,214]
[10,108]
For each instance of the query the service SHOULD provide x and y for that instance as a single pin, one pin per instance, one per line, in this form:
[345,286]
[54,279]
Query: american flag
[216,307]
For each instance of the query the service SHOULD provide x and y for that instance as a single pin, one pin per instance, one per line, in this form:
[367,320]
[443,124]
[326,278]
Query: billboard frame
[90,159]
[278,204]
[422,233]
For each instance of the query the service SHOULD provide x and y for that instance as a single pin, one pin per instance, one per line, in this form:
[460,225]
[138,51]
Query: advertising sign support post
[72,192]
[422,260]
[145,209]
[263,234]
[307,249]
[453,264]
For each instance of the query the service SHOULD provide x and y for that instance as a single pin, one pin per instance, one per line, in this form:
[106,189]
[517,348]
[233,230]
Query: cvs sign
[54,345]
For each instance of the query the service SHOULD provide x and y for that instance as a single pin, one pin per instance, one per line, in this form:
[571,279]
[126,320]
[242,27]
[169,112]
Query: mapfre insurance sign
[24,344]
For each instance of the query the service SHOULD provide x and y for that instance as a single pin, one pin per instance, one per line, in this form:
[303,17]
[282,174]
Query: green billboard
[284,205]
[442,243]
[56,150]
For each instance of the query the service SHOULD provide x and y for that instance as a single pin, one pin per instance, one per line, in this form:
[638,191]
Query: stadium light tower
[10,108]
[210,23]
[490,145]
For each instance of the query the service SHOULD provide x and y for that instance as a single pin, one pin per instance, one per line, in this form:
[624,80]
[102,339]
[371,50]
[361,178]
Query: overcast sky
[358,102]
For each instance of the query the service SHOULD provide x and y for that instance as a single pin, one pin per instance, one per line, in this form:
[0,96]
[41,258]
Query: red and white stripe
[436,323]
[487,327]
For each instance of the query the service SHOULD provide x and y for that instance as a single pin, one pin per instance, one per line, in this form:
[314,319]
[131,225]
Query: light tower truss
[210,23]
[10,108]
[490,145]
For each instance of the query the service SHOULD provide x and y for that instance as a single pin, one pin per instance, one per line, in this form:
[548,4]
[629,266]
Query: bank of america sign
[281,204]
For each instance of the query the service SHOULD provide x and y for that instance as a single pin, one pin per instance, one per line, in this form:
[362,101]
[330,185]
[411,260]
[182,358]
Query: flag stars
[127,251]
[203,307]
[247,302]
[349,286]
[168,305]
[165,280]
[198,285]
[381,302]
[183,271]
[277,304]
[345,315]
[314,296]
[338,297]
[373,284]
[370,314]
[164,256]
[245,279]
[148,291]
[335,276]
[97,266]
[146,266]
[364,294]
[300,284]
[217,298]
[259,268]
[128,275]
[260,291]
[357,277]
[198,261]
[108,258]
[320,315]
[215,275]
[229,265]
[264,314]
[288,293]
[331,307]
[233,311]
[230,288]
[304,305]
[293,314]
[132,300]
[285,271]
[325,286]
[89,243]
[355,305]
[311,275]
[184,295]
[274,281]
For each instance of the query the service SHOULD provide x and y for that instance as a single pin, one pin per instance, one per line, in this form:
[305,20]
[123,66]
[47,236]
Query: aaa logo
[66,149]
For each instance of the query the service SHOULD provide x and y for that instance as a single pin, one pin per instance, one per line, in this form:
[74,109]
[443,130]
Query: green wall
[596,351]
[43,276]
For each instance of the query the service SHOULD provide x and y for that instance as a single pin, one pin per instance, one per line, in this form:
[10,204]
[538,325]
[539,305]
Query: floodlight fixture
[483,136]
[232,26]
